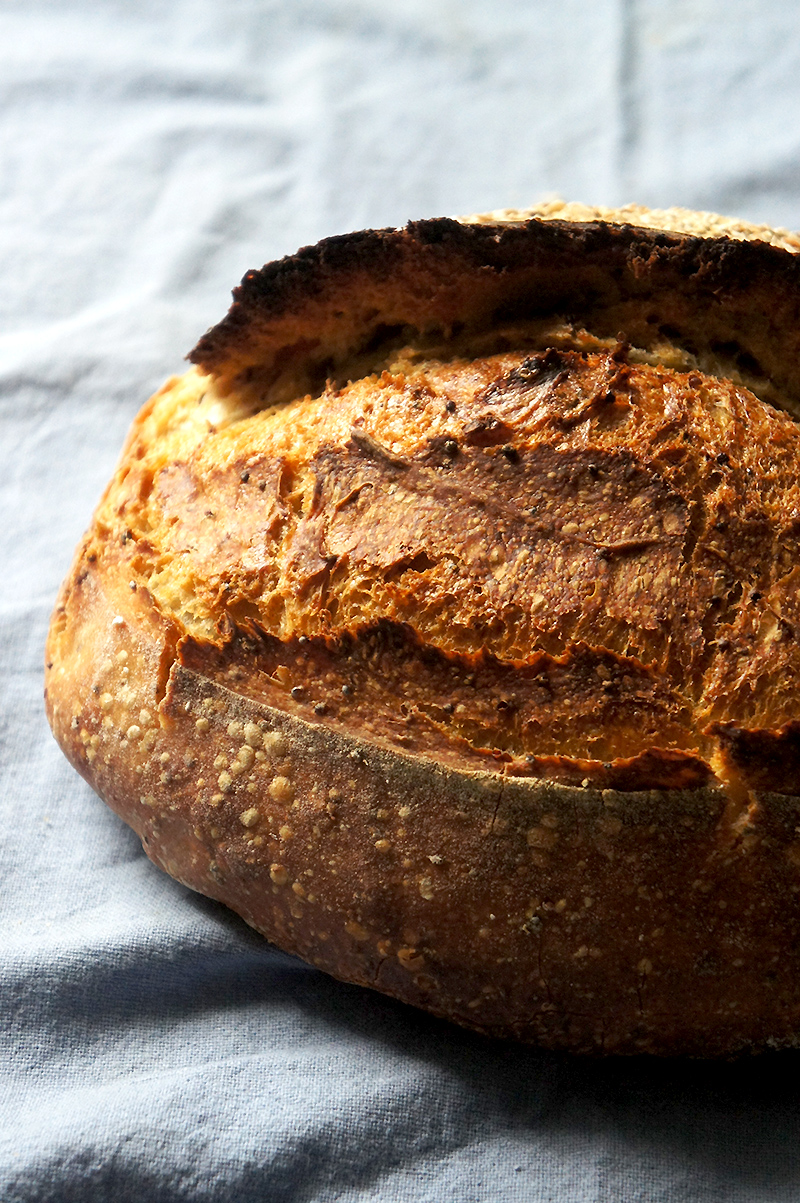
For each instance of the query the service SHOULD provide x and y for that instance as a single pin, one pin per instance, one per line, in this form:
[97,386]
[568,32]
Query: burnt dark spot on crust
[762,759]
[441,451]
[537,371]
[487,431]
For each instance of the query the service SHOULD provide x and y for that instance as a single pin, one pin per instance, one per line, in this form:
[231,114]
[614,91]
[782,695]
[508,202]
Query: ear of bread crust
[335,309]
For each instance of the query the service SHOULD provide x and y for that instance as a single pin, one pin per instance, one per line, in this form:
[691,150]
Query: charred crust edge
[544,266]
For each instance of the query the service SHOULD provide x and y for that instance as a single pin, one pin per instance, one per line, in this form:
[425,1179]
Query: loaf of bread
[442,620]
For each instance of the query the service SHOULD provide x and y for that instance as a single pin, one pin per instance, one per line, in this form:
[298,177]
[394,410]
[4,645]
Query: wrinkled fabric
[153,1047]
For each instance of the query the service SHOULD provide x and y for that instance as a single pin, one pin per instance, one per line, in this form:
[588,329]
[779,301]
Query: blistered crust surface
[606,548]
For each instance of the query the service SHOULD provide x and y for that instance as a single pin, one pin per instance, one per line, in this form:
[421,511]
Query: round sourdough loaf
[443,621]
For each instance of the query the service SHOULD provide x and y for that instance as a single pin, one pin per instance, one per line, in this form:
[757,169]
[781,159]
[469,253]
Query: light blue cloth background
[153,1048]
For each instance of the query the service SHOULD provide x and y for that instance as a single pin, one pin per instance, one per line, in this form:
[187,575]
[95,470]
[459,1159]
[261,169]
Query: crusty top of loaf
[335,311]
[674,219]
[511,491]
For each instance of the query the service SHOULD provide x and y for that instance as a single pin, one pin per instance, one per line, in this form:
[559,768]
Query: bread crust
[599,921]
[568,834]
[314,315]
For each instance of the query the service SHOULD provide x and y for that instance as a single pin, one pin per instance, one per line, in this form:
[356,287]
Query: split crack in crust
[604,538]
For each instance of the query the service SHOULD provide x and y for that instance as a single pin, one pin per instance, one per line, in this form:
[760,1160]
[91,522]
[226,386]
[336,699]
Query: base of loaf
[659,921]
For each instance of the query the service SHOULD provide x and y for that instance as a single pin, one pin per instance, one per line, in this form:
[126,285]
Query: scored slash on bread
[442,621]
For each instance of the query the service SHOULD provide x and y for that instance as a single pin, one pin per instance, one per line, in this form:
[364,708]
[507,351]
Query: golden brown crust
[592,540]
[473,678]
